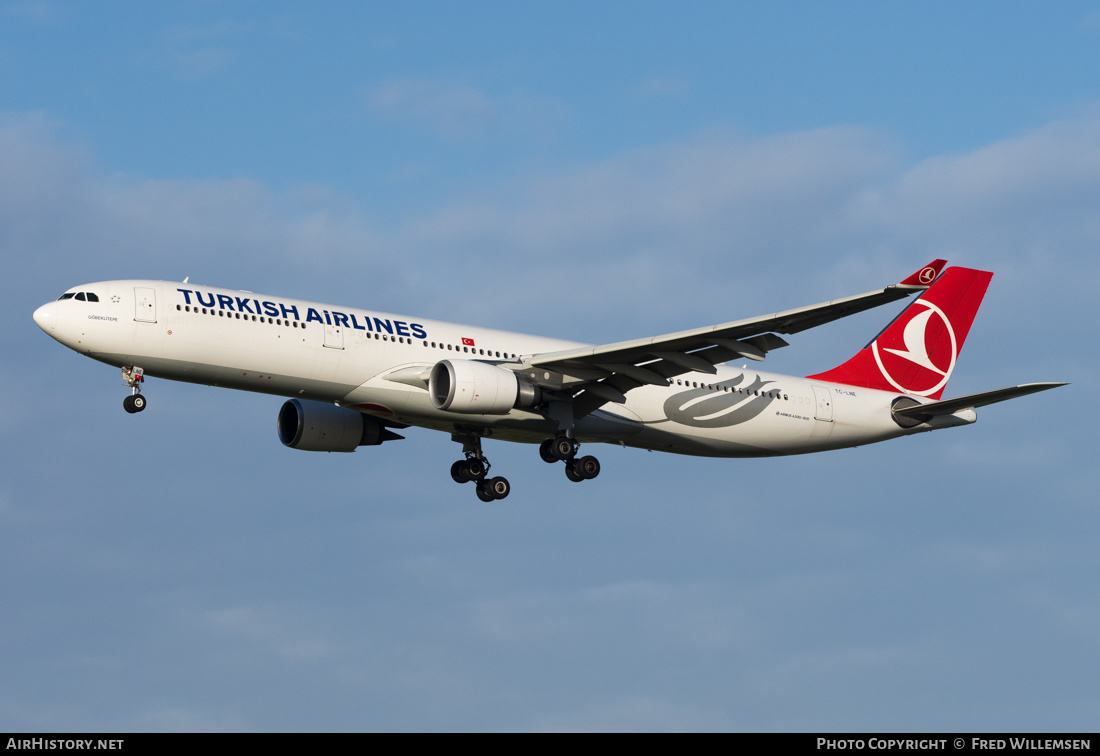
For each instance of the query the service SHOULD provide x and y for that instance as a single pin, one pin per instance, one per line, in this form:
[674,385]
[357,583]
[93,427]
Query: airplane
[353,376]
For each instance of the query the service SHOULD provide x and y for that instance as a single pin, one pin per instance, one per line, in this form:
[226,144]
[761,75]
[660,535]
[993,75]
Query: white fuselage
[363,359]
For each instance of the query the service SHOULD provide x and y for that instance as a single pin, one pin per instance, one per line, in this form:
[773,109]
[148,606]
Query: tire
[572,473]
[138,402]
[484,493]
[475,469]
[128,404]
[546,453]
[499,487]
[589,467]
[562,448]
[458,472]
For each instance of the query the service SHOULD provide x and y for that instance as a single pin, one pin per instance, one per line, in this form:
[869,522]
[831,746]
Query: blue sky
[589,171]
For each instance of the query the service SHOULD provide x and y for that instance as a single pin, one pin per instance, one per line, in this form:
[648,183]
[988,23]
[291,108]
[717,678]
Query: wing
[600,374]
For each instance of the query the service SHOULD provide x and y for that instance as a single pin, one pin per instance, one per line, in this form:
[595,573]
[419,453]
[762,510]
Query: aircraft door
[824,399]
[334,337]
[145,304]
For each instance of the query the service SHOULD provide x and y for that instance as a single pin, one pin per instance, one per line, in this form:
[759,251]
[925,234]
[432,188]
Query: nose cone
[46,317]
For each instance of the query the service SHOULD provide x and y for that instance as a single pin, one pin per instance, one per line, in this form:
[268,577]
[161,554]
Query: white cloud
[455,111]
[35,11]
[198,51]
[640,714]
[267,631]
[659,86]
[644,612]
[461,112]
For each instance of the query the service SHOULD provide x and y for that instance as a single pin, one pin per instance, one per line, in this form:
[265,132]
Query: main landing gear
[562,448]
[475,468]
[133,377]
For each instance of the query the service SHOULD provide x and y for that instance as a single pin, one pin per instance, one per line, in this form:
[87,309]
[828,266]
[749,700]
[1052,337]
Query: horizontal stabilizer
[925,412]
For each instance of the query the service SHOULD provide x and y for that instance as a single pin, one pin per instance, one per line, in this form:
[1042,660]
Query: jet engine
[317,426]
[478,388]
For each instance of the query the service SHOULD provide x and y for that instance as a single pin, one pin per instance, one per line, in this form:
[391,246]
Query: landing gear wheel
[494,488]
[499,487]
[562,448]
[588,467]
[572,472]
[475,469]
[458,472]
[546,452]
[134,403]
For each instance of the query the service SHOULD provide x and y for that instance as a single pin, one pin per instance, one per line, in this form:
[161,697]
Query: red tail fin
[917,352]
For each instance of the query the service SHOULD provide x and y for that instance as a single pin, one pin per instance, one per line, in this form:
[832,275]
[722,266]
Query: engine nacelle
[317,426]
[478,388]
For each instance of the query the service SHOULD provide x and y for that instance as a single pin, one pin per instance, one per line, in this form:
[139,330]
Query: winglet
[924,277]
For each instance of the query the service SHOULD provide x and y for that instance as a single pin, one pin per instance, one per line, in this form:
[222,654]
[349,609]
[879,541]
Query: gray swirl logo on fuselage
[708,408]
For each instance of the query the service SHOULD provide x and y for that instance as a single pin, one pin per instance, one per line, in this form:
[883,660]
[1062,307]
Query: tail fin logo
[912,358]
[927,275]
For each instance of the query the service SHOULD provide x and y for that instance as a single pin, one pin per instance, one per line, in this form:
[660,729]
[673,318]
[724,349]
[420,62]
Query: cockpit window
[80,297]
[92,297]
[69,295]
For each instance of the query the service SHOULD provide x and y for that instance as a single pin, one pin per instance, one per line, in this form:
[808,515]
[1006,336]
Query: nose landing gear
[133,377]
